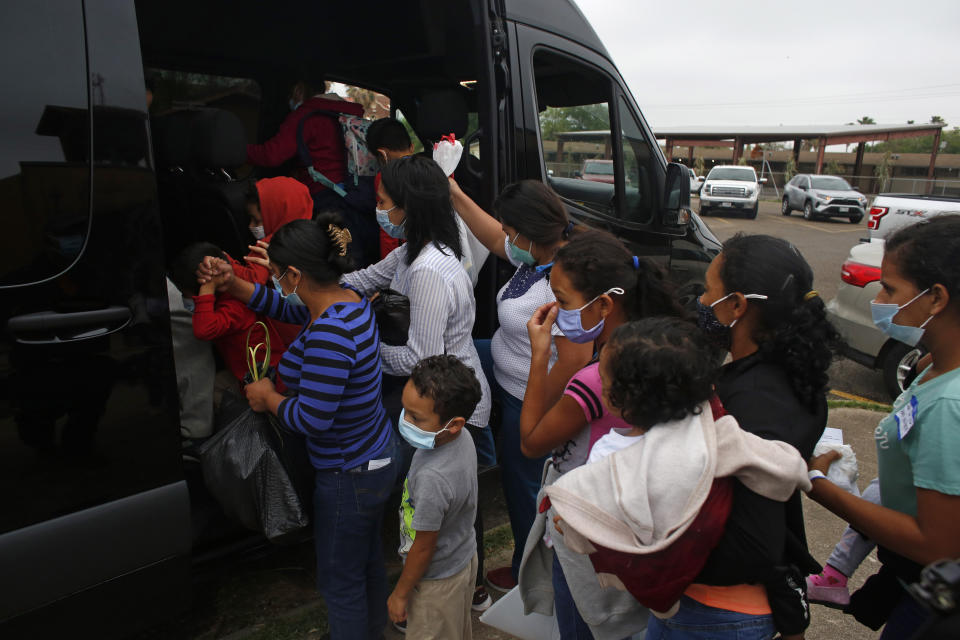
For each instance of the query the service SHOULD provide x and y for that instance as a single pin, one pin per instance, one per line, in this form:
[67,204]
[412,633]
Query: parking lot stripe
[820,228]
[854,397]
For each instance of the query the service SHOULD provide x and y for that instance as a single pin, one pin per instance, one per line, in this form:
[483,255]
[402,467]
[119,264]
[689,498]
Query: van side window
[575,133]
[637,184]
[45,146]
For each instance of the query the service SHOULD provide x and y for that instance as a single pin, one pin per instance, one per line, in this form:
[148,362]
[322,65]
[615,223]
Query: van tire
[785,206]
[808,211]
[752,213]
[896,365]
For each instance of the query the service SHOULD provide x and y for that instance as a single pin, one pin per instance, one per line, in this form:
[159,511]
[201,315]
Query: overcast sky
[733,62]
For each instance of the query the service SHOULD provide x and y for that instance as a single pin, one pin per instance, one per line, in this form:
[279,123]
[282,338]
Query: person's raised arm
[932,535]
[488,231]
[544,426]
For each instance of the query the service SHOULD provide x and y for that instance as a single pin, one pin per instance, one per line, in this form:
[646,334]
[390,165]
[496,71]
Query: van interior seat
[440,113]
[197,152]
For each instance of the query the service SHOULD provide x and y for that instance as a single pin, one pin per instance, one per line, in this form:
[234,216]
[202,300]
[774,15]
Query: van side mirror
[762,181]
[675,209]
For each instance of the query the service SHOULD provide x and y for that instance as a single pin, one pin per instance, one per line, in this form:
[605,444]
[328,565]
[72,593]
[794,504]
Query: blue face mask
[416,436]
[391,229]
[883,315]
[522,256]
[569,321]
[189,304]
[294,106]
[289,298]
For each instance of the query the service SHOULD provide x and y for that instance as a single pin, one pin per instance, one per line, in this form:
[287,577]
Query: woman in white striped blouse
[413,202]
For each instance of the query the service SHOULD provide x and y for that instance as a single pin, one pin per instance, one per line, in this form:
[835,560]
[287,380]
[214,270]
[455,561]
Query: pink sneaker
[828,588]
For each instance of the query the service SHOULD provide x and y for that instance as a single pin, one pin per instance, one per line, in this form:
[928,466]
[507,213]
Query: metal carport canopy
[825,135]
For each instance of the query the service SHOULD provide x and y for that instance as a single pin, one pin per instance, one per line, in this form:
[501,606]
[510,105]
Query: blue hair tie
[636,263]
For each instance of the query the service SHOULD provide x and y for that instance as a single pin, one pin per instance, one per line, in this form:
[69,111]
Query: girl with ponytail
[599,285]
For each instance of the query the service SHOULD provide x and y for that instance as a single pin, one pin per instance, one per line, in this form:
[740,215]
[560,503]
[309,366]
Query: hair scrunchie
[636,263]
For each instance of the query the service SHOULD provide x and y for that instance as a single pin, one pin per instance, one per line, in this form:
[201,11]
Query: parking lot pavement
[825,244]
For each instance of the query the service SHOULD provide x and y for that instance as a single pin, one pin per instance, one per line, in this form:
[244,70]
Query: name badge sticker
[906,417]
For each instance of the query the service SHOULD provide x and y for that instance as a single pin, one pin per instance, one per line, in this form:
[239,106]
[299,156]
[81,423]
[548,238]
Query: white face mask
[257,232]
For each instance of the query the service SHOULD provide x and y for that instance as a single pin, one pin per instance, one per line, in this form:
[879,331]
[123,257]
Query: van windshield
[732,173]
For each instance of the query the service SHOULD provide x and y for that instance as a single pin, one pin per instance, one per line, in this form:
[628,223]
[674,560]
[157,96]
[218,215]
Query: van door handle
[52,327]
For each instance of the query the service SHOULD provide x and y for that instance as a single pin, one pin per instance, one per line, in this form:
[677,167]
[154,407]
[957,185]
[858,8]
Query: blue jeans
[520,475]
[351,577]
[569,621]
[905,620]
[695,621]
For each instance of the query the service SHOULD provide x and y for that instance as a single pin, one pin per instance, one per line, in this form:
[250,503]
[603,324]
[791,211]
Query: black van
[97,528]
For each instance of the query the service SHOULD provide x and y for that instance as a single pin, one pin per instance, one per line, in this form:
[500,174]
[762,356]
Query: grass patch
[497,538]
[308,622]
[857,404]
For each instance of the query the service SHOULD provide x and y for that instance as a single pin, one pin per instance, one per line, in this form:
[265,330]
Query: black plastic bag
[259,472]
[392,310]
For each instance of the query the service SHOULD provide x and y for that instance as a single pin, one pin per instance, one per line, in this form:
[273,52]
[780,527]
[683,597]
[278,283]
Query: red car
[597,171]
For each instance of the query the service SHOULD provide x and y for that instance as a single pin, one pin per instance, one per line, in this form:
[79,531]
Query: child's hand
[397,607]
[540,326]
[258,394]
[261,258]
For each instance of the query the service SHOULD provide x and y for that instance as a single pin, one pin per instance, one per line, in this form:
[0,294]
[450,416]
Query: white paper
[831,435]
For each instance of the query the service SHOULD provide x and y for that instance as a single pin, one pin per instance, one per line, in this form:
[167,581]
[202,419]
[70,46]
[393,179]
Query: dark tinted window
[44,140]
[637,158]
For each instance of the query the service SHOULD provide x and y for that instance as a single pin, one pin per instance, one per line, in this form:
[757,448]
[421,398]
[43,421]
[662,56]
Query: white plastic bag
[842,472]
[447,152]
[507,615]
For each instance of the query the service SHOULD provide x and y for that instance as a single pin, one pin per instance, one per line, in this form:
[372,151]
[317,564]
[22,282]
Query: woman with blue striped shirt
[333,372]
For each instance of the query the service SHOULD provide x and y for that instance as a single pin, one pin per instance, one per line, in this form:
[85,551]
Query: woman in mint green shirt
[918,444]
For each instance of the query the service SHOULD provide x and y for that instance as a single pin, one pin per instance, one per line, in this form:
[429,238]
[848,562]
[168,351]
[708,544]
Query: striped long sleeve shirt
[442,311]
[333,367]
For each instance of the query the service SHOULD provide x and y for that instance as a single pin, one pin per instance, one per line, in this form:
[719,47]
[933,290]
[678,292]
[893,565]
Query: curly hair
[596,260]
[307,245]
[657,370]
[926,253]
[793,330]
[452,385]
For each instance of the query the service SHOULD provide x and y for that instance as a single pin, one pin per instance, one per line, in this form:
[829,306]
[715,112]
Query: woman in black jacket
[759,304]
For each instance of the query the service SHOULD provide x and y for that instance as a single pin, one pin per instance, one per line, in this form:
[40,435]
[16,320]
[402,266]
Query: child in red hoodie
[220,318]
[272,203]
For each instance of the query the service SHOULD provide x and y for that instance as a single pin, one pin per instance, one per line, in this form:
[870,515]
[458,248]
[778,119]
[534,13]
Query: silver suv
[822,197]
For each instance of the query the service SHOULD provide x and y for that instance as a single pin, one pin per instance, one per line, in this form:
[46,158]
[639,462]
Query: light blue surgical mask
[569,321]
[289,298]
[883,314]
[189,304]
[294,105]
[391,229]
[521,255]
[416,436]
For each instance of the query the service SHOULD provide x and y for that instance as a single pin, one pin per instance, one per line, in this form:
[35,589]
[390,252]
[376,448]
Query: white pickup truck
[891,211]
